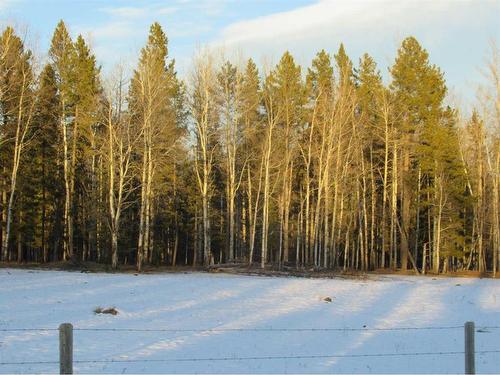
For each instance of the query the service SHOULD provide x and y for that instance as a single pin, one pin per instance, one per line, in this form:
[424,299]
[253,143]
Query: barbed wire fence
[305,329]
[66,345]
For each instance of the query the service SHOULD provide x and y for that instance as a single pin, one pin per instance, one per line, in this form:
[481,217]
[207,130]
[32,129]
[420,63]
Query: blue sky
[455,32]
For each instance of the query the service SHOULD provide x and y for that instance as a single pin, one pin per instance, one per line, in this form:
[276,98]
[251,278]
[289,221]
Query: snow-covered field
[222,304]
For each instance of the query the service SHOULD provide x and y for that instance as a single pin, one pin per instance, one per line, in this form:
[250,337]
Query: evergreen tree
[345,70]
[420,90]
[46,157]
[331,169]
[85,162]
[16,113]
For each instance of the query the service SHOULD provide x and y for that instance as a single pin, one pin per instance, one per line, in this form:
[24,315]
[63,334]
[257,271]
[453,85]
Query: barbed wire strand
[27,329]
[255,358]
[262,329]
[246,329]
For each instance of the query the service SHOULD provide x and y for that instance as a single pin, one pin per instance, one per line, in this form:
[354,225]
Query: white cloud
[113,30]
[139,12]
[334,17]
[452,31]
[187,29]
[350,21]
[126,12]
[5,4]
[211,8]
[166,10]
[124,21]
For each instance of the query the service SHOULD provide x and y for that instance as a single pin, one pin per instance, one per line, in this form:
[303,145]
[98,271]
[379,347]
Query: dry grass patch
[109,310]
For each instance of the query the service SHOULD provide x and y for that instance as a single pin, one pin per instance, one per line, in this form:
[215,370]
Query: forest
[326,167]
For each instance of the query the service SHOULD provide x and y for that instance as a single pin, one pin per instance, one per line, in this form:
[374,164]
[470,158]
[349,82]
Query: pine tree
[420,91]
[47,155]
[17,100]
[345,71]
[332,170]
[84,150]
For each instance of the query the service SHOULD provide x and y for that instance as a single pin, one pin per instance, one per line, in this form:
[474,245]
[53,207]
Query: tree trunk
[4,215]
[142,210]
[114,247]
[405,211]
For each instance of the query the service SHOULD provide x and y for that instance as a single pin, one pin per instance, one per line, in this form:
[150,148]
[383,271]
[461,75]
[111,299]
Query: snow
[227,303]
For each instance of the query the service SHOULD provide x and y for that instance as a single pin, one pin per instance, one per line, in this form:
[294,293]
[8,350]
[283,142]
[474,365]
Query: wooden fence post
[469,348]
[66,348]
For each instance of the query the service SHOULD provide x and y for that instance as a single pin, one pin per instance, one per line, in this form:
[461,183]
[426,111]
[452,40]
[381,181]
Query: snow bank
[31,299]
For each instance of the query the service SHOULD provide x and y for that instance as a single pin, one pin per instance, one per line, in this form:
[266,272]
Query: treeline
[323,167]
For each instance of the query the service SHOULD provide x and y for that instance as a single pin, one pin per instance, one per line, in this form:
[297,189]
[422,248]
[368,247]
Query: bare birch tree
[203,108]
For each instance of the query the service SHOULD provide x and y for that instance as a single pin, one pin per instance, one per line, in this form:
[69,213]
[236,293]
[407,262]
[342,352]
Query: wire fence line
[66,345]
[326,329]
[253,358]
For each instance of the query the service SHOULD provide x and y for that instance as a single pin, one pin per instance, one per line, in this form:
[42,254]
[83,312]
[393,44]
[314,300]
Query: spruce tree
[85,162]
[420,90]
[47,150]
[17,81]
